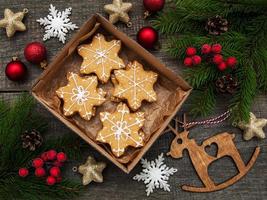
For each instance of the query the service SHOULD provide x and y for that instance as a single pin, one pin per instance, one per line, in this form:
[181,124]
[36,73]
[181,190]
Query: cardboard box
[172,89]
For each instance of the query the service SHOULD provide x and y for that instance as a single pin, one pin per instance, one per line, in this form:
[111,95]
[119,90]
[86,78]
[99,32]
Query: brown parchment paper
[169,94]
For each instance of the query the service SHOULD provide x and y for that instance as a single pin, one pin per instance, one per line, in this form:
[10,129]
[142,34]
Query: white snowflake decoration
[57,24]
[155,174]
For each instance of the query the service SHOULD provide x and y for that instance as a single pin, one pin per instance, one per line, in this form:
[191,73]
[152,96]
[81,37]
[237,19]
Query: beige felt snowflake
[135,84]
[101,57]
[121,129]
[81,95]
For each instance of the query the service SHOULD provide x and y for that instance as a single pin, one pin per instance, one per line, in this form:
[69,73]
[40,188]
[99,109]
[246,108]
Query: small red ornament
[58,179]
[61,157]
[44,156]
[23,172]
[35,52]
[216,48]
[205,49]
[196,60]
[56,163]
[190,51]
[39,172]
[154,5]
[147,37]
[51,154]
[16,70]
[222,66]
[217,59]
[188,61]
[231,62]
[55,171]
[50,180]
[37,162]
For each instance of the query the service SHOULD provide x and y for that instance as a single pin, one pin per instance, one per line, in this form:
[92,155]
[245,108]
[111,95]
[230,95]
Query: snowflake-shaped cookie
[155,174]
[57,24]
[81,95]
[121,129]
[101,57]
[135,84]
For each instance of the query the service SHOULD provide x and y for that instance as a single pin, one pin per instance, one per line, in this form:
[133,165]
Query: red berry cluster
[209,51]
[49,163]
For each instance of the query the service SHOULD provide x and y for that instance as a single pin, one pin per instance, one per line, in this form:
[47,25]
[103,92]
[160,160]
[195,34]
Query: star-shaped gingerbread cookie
[135,84]
[121,129]
[13,22]
[253,128]
[101,57]
[81,95]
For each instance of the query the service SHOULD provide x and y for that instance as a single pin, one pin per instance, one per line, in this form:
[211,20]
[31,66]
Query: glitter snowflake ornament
[57,24]
[155,174]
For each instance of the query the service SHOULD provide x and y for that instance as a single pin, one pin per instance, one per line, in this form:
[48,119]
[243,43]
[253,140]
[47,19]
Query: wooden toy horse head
[201,159]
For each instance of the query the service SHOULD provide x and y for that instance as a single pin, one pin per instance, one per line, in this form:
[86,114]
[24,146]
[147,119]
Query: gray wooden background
[118,185]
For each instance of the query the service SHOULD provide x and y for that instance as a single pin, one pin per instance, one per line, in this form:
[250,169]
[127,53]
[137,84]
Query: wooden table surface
[117,184]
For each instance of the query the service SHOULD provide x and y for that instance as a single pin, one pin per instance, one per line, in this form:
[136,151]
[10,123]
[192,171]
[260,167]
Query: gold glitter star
[118,11]
[12,22]
[253,128]
[92,171]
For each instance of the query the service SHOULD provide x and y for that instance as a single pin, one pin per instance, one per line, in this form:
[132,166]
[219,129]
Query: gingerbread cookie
[101,57]
[135,84]
[121,129]
[81,95]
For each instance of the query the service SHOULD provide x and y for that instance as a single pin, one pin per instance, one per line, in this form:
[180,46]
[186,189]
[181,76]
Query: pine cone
[216,25]
[226,83]
[31,140]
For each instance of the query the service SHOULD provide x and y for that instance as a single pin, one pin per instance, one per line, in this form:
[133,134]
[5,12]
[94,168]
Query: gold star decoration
[118,11]
[92,171]
[253,128]
[12,22]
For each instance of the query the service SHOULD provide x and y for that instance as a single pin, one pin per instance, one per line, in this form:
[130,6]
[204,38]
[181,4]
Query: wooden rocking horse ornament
[201,159]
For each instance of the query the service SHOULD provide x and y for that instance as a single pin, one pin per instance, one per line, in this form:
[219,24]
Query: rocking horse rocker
[201,159]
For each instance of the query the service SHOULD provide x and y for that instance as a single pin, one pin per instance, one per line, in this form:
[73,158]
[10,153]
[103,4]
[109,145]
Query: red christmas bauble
[40,172]
[188,61]
[217,59]
[16,70]
[222,66]
[44,156]
[231,62]
[37,162]
[205,49]
[51,154]
[216,48]
[147,37]
[55,171]
[153,5]
[61,157]
[56,163]
[35,52]
[190,51]
[50,180]
[23,172]
[196,60]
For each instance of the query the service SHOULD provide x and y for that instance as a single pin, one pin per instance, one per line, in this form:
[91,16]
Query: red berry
[51,155]
[56,163]
[55,171]
[39,172]
[61,157]
[216,48]
[59,179]
[188,61]
[196,60]
[190,51]
[50,180]
[37,162]
[23,172]
[44,156]
[222,66]
[217,59]
[206,48]
[231,61]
